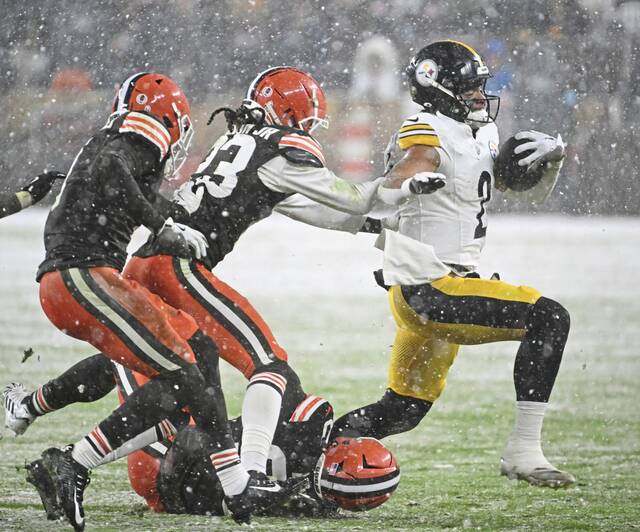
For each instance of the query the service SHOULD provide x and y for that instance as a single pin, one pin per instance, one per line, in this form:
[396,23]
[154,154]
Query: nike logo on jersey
[412,120]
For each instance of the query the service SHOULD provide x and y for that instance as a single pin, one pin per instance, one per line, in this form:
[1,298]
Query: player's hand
[40,185]
[189,195]
[545,148]
[194,239]
[424,183]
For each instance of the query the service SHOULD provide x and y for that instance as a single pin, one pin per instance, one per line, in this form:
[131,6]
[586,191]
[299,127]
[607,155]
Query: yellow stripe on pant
[440,317]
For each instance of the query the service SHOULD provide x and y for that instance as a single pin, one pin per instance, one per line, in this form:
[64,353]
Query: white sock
[91,450]
[260,413]
[162,430]
[232,475]
[525,442]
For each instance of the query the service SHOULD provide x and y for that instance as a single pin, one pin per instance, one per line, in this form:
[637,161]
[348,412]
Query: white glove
[195,239]
[188,198]
[545,148]
[391,153]
[423,183]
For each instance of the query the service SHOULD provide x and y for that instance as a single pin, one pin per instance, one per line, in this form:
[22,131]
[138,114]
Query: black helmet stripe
[124,93]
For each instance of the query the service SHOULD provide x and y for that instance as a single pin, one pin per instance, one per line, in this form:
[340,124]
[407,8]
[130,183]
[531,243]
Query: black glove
[40,185]
[426,182]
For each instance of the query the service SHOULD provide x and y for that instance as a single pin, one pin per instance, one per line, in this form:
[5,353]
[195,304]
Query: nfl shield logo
[493,149]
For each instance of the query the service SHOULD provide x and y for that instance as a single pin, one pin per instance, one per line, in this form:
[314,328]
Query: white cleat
[544,474]
[16,416]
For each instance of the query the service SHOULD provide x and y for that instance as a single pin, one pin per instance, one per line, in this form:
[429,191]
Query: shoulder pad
[149,128]
[301,149]
[418,129]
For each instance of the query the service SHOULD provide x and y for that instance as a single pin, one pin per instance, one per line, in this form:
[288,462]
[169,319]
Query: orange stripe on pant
[157,274]
[169,327]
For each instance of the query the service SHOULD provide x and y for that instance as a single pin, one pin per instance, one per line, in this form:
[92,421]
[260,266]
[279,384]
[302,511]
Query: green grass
[338,333]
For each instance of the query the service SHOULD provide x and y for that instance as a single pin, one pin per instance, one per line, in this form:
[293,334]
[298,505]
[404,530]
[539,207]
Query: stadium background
[567,66]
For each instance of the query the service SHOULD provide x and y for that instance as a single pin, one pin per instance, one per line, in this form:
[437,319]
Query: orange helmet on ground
[356,473]
[290,97]
[163,98]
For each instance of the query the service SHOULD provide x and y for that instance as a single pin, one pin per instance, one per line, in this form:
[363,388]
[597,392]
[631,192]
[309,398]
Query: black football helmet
[441,72]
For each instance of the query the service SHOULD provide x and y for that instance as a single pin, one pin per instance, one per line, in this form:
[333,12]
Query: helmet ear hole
[167,122]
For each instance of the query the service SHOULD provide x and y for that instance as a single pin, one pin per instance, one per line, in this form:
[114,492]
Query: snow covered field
[316,290]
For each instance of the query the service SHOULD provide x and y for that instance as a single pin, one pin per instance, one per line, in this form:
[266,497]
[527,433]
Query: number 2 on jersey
[232,157]
[484,192]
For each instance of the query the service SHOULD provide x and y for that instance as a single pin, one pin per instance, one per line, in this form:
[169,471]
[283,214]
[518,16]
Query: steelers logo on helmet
[426,72]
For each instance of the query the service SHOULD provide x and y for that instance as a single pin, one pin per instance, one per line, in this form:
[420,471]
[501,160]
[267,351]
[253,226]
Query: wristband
[25,198]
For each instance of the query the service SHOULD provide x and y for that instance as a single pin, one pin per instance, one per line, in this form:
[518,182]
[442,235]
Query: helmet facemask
[315,120]
[178,152]
[476,118]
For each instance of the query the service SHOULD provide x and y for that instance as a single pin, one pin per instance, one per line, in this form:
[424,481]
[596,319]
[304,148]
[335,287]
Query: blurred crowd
[567,66]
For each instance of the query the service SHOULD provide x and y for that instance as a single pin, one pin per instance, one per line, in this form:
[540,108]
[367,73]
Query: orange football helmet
[356,473]
[163,98]
[290,97]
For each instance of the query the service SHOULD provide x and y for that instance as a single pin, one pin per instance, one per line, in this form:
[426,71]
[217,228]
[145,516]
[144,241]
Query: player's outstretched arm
[31,193]
[416,173]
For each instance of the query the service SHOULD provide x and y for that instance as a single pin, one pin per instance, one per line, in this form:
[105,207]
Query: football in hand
[511,176]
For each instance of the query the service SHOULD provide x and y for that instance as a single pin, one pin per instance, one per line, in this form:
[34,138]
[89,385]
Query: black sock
[87,381]
[392,414]
[540,353]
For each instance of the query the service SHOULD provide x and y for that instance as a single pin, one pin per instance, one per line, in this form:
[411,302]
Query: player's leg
[535,369]
[86,381]
[131,326]
[418,369]
[243,338]
[472,311]
[187,482]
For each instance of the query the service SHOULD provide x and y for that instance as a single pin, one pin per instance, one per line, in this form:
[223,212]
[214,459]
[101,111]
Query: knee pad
[548,315]
[406,412]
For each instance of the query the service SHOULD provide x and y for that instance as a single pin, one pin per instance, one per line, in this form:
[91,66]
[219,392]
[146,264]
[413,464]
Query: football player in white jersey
[431,251]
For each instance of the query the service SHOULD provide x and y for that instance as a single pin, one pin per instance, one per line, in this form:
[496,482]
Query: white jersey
[450,223]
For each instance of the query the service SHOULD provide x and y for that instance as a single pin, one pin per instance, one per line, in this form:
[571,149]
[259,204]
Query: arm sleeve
[121,185]
[9,204]
[319,184]
[302,209]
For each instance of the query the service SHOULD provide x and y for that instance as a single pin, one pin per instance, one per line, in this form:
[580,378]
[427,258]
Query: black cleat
[38,475]
[260,495]
[70,479]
